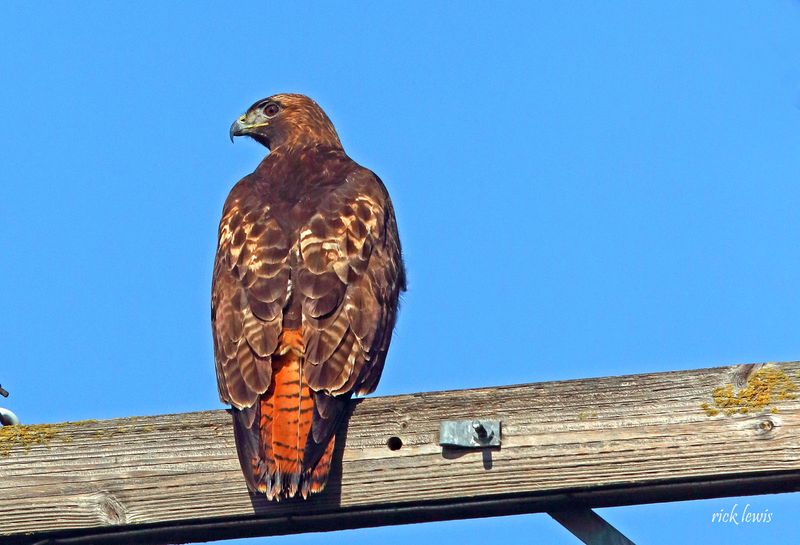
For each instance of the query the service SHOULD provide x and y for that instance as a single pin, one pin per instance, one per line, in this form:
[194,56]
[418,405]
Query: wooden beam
[581,443]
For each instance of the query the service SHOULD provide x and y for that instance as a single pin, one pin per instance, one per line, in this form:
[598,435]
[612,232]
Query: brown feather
[305,291]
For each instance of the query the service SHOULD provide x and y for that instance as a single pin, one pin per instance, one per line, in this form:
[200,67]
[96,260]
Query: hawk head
[286,120]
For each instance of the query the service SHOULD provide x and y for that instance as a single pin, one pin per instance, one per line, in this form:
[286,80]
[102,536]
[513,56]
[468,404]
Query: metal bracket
[589,527]
[469,433]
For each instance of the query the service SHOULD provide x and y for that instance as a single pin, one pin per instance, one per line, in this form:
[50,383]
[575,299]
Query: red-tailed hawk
[304,296]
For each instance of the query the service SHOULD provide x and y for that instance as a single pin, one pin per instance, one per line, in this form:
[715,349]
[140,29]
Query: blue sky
[582,189]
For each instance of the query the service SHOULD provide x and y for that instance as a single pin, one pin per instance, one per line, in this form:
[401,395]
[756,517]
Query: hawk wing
[349,281]
[248,294]
[341,269]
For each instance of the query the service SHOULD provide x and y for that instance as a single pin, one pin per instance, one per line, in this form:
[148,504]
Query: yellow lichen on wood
[764,387]
[709,410]
[26,436]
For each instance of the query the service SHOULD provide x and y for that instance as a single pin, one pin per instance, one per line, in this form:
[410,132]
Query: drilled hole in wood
[394,443]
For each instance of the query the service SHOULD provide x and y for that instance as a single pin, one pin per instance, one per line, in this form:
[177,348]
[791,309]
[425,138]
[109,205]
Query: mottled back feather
[307,242]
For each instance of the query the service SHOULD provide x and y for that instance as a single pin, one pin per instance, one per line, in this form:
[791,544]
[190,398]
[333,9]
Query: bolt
[766,425]
[483,434]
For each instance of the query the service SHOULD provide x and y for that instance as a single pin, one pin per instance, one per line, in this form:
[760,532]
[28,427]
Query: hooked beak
[238,128]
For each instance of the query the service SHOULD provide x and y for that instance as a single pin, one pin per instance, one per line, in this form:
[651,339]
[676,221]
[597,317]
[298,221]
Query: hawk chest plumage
[304,299]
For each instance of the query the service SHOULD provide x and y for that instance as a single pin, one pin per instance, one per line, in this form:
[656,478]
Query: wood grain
[593,442]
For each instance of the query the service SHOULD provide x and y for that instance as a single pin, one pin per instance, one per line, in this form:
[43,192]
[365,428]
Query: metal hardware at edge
[470,433]
[7,418]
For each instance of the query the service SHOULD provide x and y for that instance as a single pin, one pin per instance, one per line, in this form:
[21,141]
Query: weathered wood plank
[593,442]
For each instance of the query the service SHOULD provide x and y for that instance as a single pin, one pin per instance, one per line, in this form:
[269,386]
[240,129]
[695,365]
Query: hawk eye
[271,109]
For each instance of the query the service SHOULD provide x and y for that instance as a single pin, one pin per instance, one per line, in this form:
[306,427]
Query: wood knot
[742,373]
[108,509]
[765,427]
